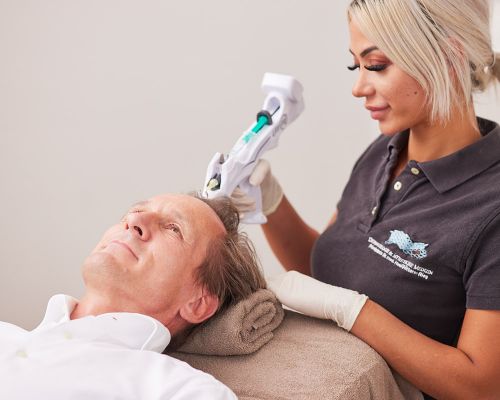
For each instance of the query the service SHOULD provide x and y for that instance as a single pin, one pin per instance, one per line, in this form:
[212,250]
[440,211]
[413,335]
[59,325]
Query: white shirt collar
[135,331]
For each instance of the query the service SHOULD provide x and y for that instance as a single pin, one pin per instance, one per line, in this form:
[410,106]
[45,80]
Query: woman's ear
[200,308]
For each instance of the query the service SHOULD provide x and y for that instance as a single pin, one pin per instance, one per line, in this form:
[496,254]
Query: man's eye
[174,228]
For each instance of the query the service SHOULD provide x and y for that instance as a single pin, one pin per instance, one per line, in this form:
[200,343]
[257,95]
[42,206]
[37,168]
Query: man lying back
[170,264]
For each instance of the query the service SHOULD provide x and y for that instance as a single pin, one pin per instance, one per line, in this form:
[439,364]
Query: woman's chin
[390,129]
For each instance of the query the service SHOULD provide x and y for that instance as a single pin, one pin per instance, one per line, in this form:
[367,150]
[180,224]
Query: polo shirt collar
[132,330]
[448,172]
[398,141]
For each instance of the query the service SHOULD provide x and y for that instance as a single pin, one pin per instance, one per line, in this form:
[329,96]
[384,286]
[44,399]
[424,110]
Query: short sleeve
[482,269]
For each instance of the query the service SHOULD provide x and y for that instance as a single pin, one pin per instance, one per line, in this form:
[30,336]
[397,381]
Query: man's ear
[200,308]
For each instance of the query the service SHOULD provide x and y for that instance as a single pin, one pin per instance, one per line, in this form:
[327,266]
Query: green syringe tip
[260,124]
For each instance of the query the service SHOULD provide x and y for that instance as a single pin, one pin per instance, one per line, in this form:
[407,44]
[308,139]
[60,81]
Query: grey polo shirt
[425,245]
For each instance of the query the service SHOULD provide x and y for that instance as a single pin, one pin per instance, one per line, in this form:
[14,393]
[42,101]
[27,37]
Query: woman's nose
[362,87]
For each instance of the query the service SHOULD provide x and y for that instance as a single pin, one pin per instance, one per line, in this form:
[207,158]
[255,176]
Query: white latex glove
[317,299]
[269,186]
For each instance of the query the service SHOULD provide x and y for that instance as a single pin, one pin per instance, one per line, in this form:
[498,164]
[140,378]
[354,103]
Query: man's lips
[126,246]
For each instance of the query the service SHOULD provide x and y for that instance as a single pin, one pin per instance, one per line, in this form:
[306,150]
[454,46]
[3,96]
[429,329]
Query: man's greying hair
[445,45]
[231,270]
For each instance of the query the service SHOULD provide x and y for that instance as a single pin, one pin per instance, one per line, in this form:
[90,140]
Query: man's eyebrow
[140,203]
[185,223]
[174,213]
[179,217]
[365,51]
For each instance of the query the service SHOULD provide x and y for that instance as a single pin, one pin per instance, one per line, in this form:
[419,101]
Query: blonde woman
[410,262]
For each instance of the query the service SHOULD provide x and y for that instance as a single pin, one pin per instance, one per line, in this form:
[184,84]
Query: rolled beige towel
[241,329]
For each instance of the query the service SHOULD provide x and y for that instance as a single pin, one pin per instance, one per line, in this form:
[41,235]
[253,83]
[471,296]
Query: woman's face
[392,97]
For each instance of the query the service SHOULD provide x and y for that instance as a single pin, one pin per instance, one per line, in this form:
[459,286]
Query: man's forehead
[181,202]
[179,205]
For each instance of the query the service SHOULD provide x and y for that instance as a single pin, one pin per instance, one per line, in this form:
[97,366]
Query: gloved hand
[317,299]
[269,186]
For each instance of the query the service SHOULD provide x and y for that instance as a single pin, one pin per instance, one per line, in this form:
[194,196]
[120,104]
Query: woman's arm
[290,238]
[470,371]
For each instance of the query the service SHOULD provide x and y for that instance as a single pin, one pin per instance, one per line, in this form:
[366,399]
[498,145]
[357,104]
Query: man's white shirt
[109,356]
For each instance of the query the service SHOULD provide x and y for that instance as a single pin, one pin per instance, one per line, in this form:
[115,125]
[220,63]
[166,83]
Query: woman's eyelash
[377,67]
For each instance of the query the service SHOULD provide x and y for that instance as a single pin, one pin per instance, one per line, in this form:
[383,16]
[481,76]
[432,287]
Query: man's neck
[93,304]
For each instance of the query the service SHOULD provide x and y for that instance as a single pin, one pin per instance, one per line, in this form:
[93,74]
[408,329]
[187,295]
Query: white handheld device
[283,104]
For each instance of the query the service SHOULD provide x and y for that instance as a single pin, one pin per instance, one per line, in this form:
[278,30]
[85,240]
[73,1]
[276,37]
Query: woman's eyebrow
[366,51]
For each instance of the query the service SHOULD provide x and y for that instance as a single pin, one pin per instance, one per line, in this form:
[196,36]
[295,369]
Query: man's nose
[139,225]
[362,87]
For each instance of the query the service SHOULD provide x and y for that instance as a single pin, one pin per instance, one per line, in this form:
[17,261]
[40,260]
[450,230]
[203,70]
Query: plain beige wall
[103,103]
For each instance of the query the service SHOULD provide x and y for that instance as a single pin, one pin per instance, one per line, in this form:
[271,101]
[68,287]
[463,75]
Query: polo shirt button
[68,335]
[415,171]
[398,185]
[374,210]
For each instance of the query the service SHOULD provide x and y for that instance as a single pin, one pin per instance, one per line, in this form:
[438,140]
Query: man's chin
[101,256]
[101,264]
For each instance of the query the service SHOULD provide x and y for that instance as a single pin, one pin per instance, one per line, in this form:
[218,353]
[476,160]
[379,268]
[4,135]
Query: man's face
[145,263]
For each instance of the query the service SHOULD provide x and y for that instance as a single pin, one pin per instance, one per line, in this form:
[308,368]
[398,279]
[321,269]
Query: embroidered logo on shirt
[398,261]
[404,242]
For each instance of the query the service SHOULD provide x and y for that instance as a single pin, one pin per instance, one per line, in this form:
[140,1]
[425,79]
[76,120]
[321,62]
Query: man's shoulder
[9,335]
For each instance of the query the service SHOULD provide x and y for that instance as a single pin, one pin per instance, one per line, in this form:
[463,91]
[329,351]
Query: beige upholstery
[307,359]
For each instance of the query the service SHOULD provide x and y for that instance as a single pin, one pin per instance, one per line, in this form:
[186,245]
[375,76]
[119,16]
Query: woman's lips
[378,112]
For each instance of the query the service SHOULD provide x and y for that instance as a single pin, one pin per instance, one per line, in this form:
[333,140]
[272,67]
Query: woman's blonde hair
[445,45]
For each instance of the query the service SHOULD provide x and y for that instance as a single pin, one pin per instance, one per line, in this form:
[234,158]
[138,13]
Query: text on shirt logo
[400,262]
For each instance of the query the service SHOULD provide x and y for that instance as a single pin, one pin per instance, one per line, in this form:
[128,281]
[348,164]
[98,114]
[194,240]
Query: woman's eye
[376,67]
